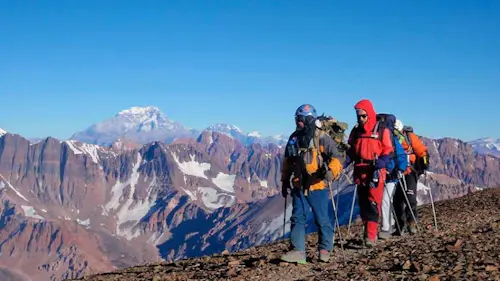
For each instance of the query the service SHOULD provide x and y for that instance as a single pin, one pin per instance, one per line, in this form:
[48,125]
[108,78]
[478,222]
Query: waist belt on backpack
[363,161]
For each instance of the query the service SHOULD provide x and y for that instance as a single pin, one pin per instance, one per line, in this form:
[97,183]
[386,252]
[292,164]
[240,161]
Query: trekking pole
[405,188]
[352,209]
[284,218]
[338,195]
[432,201]
[352,204]
[337,225]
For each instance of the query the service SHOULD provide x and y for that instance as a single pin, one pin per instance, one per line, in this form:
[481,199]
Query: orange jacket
[327,151]
[415,148]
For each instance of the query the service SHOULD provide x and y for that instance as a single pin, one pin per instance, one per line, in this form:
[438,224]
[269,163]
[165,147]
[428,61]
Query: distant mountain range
[486,146]
[146,124]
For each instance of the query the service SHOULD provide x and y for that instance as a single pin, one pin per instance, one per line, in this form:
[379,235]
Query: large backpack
[336,130]
[385,120]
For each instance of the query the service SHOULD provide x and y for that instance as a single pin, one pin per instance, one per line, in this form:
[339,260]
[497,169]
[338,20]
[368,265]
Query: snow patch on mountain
[85,223]
[30,212]
[2,132]
[225,182]
[192,168]
[263,183]
[274,228]
[2,186]
[213,199]
[85,148]
[255,134]
[119,187]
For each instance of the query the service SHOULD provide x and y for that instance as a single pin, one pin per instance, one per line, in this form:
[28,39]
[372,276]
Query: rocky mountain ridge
[156,201]
[462,248]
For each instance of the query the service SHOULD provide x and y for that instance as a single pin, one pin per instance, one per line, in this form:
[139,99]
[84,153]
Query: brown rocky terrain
[95,208]
[465,247]
[68,208]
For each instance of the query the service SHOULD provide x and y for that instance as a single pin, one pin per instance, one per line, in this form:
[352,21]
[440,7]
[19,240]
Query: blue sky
[67,64]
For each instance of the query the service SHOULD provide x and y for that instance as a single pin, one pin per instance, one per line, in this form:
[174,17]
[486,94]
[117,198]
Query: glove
[374,181]
[426,162]
[381,162]
[330,177]
[285,186]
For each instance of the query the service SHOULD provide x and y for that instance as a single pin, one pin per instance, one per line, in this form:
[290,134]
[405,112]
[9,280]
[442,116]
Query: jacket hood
[367,106]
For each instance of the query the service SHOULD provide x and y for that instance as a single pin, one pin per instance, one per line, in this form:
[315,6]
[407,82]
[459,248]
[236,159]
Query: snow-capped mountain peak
[2,132]
[136,110]
[145,118]
[486,146]
[138,124]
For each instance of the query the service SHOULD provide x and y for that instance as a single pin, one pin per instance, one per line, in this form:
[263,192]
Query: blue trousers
[318,200]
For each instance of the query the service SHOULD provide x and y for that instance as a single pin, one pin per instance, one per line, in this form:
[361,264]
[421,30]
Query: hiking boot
[370,243]
[412,228]
[294,257]
[324,256]
[385,235]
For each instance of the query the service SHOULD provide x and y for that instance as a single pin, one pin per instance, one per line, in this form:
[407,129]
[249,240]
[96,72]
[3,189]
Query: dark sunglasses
[362,116]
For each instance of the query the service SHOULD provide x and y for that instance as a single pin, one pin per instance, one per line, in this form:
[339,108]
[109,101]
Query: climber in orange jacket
[370,151]
[419,162]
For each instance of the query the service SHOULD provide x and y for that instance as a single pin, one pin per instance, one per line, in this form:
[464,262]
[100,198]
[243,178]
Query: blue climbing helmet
[306,110]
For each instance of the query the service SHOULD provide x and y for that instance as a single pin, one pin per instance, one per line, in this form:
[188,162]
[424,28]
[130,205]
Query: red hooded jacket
[364,145]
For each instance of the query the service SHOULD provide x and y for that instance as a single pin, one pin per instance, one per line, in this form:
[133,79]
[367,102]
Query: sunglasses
[362,116]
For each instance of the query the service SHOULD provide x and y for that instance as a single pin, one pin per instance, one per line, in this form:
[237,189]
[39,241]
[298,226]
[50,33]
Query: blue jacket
[399,161]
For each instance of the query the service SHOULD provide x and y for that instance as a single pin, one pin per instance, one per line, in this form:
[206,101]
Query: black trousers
[401,208]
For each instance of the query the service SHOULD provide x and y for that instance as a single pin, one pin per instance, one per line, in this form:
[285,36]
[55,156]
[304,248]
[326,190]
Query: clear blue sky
[67,64]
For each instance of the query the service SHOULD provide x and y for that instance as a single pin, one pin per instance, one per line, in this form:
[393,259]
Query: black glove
[285,186]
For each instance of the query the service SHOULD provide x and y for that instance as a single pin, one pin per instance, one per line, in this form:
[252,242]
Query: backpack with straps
[336,130]
[312,160]
[387,121]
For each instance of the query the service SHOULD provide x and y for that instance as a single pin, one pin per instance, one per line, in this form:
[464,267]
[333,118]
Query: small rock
[491,268]
[334,266]
[426,268]
[284,263]
[489,261]
[235,262]
[407,265]
[457,268]
[231,273]
[415,266]
[225,252]
[423,277]
[434,278]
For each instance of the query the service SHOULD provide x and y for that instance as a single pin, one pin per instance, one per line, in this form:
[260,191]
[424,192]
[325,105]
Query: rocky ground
[466,247]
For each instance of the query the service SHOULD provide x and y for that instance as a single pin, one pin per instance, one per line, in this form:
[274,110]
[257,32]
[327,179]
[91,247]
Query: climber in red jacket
[370,151]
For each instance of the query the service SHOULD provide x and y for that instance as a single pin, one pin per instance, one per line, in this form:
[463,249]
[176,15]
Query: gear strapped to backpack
[336,130]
